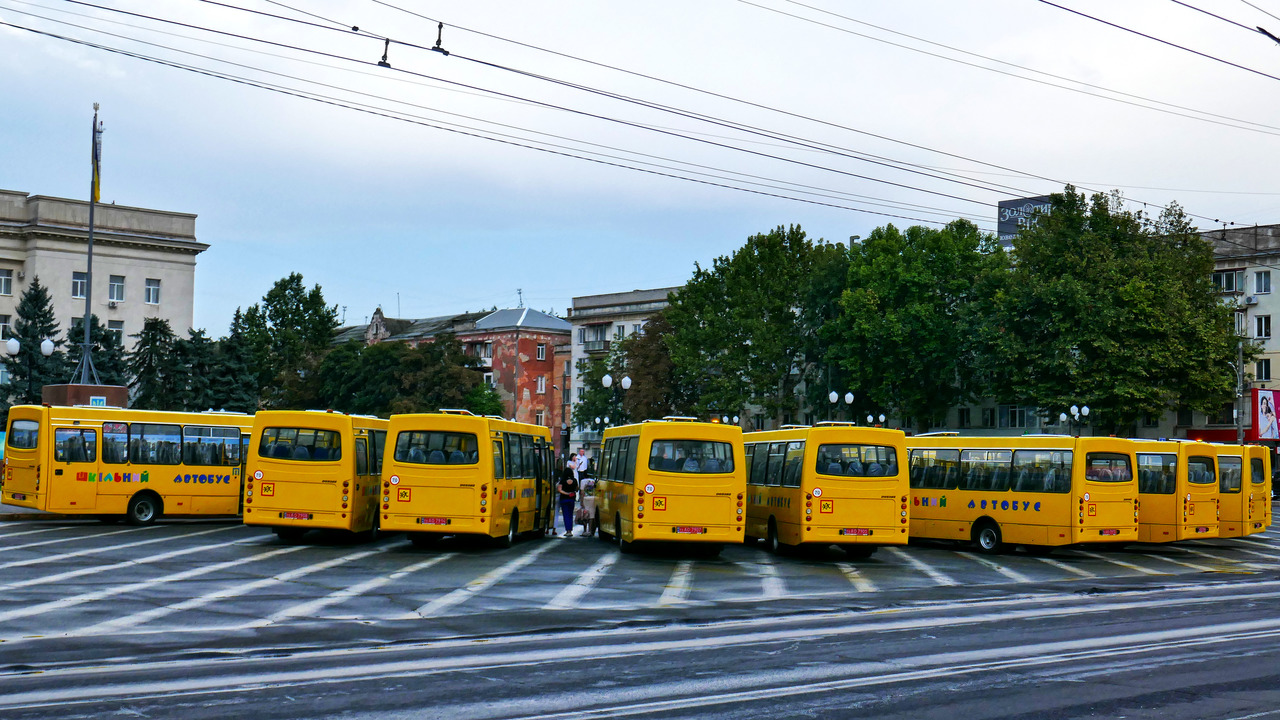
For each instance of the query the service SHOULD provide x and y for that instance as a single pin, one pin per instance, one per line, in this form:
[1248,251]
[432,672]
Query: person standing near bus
[568,492]
[584,463]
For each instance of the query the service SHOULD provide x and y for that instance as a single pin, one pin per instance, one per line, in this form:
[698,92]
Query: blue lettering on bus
[983,505]
[1004,504]
[1025,504]
[971,504]
[1037,506]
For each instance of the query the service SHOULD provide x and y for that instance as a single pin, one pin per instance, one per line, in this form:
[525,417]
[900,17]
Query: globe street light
[13,347]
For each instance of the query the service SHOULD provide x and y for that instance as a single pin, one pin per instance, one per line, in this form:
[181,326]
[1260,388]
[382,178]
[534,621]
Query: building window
[567,369]
[1226,415]
[619,332]
[1241,330]
[1013,416]
[962,417]
[6,327]
[1262,282]
[116,327]
[4,375]
[542,351]
[635,329]
[1185,418]
[537,418]
[79,284]
[115,289]
[1150,420]
[988,417]
[1229,281]
[1262,324]
[6,282]
[152,292]
[542,384]
[488,379]
[1262,370]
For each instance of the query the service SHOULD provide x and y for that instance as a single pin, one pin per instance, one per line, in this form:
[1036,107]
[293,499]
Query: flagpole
[88,374]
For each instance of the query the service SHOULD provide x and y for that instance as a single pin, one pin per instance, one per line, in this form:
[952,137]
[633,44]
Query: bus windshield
[303,444]
[857,460]
[691,456]
[437,448]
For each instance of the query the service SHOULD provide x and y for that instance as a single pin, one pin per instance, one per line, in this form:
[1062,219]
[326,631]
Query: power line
[1255,7]
[1214,15]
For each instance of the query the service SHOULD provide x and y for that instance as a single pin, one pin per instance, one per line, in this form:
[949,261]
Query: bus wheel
[424,539]
[509,539]
[623,545]
[986,535]
[860,552]
[144,508]
[771,542]
[289,534]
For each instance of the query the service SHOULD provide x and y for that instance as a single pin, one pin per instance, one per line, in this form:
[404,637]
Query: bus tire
[623,545]
[860,552]
[144,508]
[986,536]
[771,541]
[424,539]
[513,529]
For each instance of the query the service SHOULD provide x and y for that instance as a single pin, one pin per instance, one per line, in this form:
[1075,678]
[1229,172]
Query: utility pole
[86,373]
[1239,412]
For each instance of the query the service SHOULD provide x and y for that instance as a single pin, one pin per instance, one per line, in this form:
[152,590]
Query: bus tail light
[484,488]
[808,496]
[640,515]
[346,483]
[903,521]
[483,510]
[484,495]
[344,506]
[808,503]
[386,506]
[739,503]
[639,493]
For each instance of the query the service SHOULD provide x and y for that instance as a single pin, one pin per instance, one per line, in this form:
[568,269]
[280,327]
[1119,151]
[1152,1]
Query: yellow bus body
[1177,490]
[828,484]
[1233,491]
[1259,488]
[1023,489]
[647,491]
[454,473]
[309,469]
[115,461]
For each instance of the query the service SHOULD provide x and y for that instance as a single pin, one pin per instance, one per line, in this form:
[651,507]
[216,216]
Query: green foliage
[738,337]
[436,375]
[393,378]
[30,370]
[107,348]
[157,376]
[235,385]
[647,360]
[903,331]
[196,364]
[483,399]
[289,333]
[597,401]
[1111,309]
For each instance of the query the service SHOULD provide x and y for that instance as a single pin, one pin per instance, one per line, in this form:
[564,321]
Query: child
[589,507]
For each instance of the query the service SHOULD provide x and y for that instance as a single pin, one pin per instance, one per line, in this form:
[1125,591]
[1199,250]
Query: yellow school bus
[1236,518]
[1259,487]
[311,469]
[455,473]
[675,479]
[834,483]
[1038,491]
[1177,490]
[113,462]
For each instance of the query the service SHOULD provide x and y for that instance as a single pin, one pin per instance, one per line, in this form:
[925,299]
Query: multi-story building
[599,321]
[144,262]
[519,349]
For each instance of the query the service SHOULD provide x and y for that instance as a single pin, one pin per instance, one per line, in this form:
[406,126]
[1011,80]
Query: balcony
[595,346]
[486,362]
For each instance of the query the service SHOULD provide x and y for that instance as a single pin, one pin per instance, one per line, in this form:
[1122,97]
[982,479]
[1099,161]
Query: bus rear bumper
[846,535]
[22,499]
[438,524]
[309,519]
[645,531]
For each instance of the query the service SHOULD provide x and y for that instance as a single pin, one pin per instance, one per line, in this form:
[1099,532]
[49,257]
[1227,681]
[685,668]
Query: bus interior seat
[281,450]
[690,465]
[416,455]
[457,458]
[713,466]
[301,453]
[321,453]
[835,469]
[855,468]
[475,456]
[436,457]
[1050,478]
[875,469]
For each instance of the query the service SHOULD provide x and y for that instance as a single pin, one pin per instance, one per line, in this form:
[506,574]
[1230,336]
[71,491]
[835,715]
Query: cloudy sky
[578,147]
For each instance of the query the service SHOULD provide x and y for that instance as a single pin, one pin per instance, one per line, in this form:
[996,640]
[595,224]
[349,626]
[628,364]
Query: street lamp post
[13,347]
[834,397]
[1079,415]
[607,382]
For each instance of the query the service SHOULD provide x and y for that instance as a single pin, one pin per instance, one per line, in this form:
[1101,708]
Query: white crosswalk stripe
[855,576]
[310,608]
[572,595]
[1010,573]
[677,588]
[79,538]
[1069,568]
[938,577]
[480,584]
[1122,563]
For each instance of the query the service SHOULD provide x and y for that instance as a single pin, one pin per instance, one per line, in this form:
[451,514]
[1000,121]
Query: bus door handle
[57,471]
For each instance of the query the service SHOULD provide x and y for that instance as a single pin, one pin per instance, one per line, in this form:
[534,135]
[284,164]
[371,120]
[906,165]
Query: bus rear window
[437,448]
[1200,470]
[691,456]
[857,460]
[1107,467]
[302,444]
[24,434]
[1157,473]
[1256,474]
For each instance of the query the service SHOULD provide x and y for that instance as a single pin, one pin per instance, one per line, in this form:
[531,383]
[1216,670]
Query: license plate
[19,496]
[1202,529]
[295,515]
[687,530]
[856,531]
[433,521]
[1111,531]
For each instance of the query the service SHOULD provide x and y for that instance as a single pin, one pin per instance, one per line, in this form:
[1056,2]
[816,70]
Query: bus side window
[759,463]
[497,460]
[362,457]
[530,456]
[607,464]
[627,457]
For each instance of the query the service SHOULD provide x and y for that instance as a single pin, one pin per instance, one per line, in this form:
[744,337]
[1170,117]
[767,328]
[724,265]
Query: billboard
[1264,415]
[1015,214]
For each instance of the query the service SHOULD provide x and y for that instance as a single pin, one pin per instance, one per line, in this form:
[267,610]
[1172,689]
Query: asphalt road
[212,620]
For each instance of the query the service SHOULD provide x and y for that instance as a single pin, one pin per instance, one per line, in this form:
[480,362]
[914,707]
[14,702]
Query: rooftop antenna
[520,294]
[86,373]
[344,314]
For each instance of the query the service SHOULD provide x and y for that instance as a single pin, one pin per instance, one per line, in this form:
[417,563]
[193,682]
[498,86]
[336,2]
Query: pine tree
[107,347]
[235,385]
[194,363]
[30,370]
[152,366]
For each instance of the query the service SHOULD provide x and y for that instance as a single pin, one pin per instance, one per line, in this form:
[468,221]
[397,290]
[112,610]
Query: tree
[1112,309]
[30,370]
[196,357]
[437,374]
[597,401]
[235,385]
[156,374]
[737,336]
[903,327]
[654,392]
[106,346]
[289,333]
[483,399]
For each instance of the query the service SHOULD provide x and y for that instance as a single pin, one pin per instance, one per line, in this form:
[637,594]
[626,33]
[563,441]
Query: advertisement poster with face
[1264,415]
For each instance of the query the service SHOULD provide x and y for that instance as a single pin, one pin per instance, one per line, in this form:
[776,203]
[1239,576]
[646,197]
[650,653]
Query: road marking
[72,539]
[1063,566]
[1269,556]
[33,532]
[1183,563]
[308,609]
[677,588]
[111,591]
[1227,560]
[102,549]
[772,585]
[573,594]
[860,583]
[938,578]
[93,570]
[1121,563]
[234,591]
[1010,573]
[479,585]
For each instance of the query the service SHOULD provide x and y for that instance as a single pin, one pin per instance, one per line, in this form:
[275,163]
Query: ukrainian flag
[96,160]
